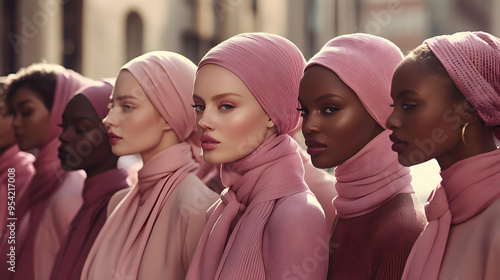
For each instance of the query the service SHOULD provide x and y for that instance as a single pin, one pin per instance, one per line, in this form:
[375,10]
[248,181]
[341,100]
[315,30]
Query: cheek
[247,130]
[142,129]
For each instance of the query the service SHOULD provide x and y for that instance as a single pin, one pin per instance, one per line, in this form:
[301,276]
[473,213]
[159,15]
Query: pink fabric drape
[369,178]
[47,179]
[167,80]
[468,187]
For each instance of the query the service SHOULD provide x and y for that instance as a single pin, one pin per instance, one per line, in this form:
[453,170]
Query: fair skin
[133,123]
[428,118]
[230,121]
[31,119]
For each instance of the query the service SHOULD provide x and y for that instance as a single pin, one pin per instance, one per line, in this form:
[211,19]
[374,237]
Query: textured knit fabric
[249,231]
[365,63]
[376,245]
[97,191]
[48,179]
[373,177]
[472,59]
[469,187]
[132,243]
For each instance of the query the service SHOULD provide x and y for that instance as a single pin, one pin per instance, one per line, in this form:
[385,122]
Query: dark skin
[84,140]
[334,116]
[428,118]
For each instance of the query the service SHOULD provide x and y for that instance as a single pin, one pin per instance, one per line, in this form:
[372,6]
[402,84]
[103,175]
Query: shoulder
[116,198]
[400,221]
[298,211]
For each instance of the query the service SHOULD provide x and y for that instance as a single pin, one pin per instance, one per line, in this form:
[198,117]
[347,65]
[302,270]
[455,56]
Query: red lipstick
[208,143]
[113,138]
[314,147]
[399,145]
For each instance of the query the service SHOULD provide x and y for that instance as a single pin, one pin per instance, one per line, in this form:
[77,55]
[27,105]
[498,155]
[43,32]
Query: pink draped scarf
[468,187]
[97,192]
[47,179]
[231,246]
[22,163]
[472,59]
[369,178]
[366,64]
[167,79]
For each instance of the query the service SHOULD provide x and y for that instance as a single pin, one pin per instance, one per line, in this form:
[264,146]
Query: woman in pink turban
[446,96]
[85,145]
[153,229]
[345,96]
[266,224]
[37,96]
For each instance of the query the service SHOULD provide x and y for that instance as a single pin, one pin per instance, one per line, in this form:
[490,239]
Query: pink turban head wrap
[98,93]
[366,64]
[270,66]
[167,80]
[472,60]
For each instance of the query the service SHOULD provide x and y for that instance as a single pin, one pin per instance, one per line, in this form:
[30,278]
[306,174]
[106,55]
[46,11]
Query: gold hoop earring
[463,134]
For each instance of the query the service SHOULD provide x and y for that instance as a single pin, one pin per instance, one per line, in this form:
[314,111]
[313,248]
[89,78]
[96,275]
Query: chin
[321,163]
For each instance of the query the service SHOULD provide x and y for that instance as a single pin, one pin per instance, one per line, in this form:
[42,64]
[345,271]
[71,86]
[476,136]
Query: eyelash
[304,112]
[78,131]
[405,107]
[126,108]
[201,108]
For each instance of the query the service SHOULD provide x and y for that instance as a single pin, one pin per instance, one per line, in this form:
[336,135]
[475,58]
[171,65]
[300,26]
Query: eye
[303,111]
[198,107]
[81,131]
[407,107]
[226,107]
[127,108]
[62,125]
[330,110]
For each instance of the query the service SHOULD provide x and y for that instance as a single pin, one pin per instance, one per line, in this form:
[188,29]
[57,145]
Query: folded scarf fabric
[231,243]
[369,178]
[468,187]
[472,59]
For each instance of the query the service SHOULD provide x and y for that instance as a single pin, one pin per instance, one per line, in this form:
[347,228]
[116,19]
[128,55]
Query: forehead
[80,107]
[127,85]
[213,79]
[319,80]
[24,94]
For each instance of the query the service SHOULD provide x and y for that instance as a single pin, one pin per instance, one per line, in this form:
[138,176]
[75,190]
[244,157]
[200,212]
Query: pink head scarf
[97,192]
[167,80]
[472,59]
[231,244]
[282,63]
[366,64]
[49,173]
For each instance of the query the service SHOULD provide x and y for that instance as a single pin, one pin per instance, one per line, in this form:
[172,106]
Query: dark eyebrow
[24,102]
[218,96]
[326,96]
[406,92]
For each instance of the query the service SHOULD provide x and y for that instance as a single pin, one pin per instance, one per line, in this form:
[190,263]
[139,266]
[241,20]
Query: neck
[110,163]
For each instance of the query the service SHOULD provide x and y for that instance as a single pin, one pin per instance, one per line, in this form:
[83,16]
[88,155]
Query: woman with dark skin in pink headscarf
[446,96]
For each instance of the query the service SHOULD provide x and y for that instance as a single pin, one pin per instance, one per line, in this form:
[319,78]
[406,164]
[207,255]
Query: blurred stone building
[97,37]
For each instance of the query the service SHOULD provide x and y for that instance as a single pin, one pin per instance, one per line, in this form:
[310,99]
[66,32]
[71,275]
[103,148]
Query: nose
[16,120]
[310,124]
[63,137]
[204,120]
[393,122]
[109,120]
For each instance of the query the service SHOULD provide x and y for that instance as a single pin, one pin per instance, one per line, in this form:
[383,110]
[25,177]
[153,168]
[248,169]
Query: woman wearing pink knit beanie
[345,96]
[266,224]
[447,106]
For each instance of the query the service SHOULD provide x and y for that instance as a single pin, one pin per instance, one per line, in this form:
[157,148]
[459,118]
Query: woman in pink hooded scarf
[85,145]
[345,96]
[37,96]
[446,96]
[153,229]
[266,224]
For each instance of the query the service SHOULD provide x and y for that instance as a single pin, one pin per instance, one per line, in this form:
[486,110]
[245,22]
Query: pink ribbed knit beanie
[270,66]
[366,64]
[472,59]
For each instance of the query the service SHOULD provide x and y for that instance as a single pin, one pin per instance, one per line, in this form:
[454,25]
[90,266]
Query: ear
[166,126]
[270,123]
[469,114]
